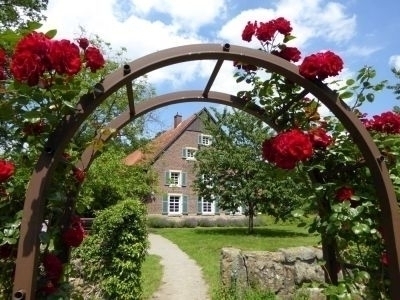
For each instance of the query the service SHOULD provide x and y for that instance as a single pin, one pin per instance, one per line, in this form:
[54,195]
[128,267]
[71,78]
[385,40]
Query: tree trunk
[250,228]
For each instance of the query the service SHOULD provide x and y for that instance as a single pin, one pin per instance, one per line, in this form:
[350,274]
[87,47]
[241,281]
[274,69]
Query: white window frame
[179,173]
[189,153]
[208,204]
[180,203]
[205,139]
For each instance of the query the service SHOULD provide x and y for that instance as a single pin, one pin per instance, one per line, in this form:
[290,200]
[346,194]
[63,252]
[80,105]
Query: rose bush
[345,203]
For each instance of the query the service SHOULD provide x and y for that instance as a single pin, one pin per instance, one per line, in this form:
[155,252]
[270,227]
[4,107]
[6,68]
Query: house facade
[172,156]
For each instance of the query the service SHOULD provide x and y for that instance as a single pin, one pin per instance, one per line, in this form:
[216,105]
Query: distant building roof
[150,152]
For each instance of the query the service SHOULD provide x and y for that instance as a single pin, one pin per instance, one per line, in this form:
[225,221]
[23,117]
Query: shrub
[205,222]
[112,255]
[189,222]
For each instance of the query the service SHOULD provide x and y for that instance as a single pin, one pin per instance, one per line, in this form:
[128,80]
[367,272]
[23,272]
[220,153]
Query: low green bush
[111,257]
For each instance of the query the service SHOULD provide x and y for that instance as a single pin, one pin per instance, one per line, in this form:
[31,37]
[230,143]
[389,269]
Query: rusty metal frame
[28,247]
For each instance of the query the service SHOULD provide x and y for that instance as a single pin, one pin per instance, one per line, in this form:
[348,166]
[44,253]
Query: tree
[17,12]
[231,171]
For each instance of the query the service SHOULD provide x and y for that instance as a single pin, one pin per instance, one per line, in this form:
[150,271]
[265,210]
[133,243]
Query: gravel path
[182,278]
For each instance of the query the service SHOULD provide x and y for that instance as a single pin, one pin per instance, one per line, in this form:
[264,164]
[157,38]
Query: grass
[151,275]
[204,244]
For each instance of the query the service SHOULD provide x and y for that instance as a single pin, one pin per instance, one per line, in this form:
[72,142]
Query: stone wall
[281,272]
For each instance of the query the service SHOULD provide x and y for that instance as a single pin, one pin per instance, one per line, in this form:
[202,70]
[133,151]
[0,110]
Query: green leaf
[350,81]
[69,104]
[288,38]
[370,97]
[51,33]
[297,213]
[346,95]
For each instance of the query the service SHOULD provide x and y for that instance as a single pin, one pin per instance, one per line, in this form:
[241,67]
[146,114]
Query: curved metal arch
[149,105]
[28,247]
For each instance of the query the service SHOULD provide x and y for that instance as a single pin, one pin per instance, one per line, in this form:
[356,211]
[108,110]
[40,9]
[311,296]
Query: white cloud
[394,62]
[362,50]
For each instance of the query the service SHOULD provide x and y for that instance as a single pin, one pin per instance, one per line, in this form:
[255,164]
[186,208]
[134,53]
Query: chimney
[177,120]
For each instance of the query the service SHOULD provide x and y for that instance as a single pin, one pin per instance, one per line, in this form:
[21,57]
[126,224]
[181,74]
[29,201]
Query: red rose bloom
[34,129]
[53,267]
[74,235]
[321,65]
[384,259]
[289,53]
[245,67]
[288,148]
[319,138]
[7,170]
[387,122]
[79,174]
[3,57]
[83,43]
[344,193]
[266,31]
[282,26]
[65,58]
[249,31]
[94,59]
[30,59]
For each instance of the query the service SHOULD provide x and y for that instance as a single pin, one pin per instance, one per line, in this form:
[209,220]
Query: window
[174,204]
[205,139]
[207,207]
[189,153]
[175,178]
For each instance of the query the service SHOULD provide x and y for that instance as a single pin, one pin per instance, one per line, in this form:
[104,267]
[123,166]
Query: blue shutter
[166,178]
[216,206]
[199,206]
[183,177]
[184,152]
[165,204]
[184,204]
[199,142]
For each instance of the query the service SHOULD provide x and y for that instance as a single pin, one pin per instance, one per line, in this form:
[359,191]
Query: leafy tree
[231,170]
[17,12]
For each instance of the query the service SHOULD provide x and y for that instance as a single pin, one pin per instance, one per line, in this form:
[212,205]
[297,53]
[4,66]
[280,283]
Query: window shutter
[199,138]
[183,174]
[166,178]
[216,208]
[184,152]
[184,204]
[199,206]
[165,204]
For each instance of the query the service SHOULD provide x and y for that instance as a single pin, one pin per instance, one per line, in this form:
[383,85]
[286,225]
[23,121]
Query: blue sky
[362,32]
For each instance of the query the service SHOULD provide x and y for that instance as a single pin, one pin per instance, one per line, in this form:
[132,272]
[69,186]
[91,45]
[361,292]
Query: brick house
[171,156]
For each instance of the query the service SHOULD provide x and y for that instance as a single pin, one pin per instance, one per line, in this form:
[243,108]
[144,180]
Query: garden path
[182,278]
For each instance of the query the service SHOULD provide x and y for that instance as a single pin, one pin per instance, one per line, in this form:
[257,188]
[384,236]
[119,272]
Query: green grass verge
[152,272]
[204,244]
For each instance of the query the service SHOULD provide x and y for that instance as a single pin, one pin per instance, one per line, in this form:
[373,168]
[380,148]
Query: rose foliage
[344,203]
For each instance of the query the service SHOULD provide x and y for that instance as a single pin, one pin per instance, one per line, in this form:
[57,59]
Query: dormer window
[205,139]
[189,153]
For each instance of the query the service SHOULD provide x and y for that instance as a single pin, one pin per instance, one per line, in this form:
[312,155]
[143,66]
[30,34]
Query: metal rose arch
[33,212]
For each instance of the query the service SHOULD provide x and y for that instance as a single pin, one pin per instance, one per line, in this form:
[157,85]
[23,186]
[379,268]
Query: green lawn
[204,244]
[151,275]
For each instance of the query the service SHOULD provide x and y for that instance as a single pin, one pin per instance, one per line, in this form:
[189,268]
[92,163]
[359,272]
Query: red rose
[387,122]
[289,53]
[34,129]
[344,193]
[94,59]
[74,235]
[321,65]
[319,138]
[83,43]
[384,259]
[30,59]
[65,58]
[3,56]
[288,148]
[282,26]
[244,67]
[266,31]
[52,266]
[79,174]
[7,170]
[249,31]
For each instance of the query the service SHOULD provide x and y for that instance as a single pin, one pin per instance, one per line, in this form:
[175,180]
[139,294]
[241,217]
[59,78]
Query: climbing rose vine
[7,170]
[319,148]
